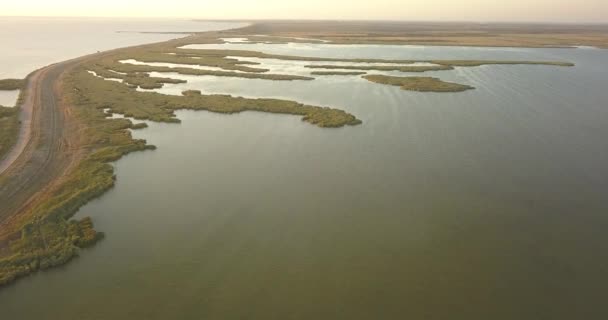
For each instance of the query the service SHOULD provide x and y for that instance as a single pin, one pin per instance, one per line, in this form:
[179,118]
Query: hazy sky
[471,10]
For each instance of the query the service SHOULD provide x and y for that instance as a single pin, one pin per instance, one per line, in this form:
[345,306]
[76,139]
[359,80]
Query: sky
[592,11]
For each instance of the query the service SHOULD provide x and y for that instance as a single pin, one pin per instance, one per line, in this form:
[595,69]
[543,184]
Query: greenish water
[487,204]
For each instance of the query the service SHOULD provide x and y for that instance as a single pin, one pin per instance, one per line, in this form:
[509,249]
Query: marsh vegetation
[122,99]
[188,51]
[383,68]
[443,34]
[437,65]
[338,73]
[9,127]
[184,60]
[138,75]
[45,243]
[422,84]
[477,63]
[11,84]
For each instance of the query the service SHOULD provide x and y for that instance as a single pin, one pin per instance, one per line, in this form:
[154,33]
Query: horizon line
[566,22]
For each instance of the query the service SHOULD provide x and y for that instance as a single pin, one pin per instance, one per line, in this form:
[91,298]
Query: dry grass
[436,33]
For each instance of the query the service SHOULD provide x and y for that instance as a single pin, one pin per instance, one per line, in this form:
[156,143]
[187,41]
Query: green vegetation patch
[338,73]
[7,112]
[121,99]
[11,84]
[9,128]
[46,243]
[256,54]
[441,64]
[173,52]
[145,81]
[199,60]
[138,75]
[476,63]
[422,84]
[383,68]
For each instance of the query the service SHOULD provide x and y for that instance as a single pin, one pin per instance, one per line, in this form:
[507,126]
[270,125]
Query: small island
[338,73]
[421,84]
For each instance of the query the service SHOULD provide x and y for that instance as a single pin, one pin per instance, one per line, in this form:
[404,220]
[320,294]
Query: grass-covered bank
[11,84]
[383,68]
[44,244]
[184,51]
[9,129]
[338,73]
[9,116]
[120,98]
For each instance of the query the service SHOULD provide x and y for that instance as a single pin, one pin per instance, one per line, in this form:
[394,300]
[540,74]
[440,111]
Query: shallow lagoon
[8,98]
[486,204]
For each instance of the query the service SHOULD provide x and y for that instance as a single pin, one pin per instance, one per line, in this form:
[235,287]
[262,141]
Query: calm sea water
[486,204]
